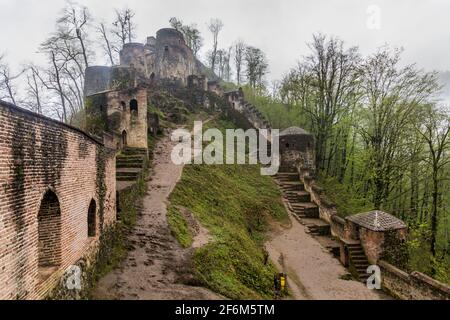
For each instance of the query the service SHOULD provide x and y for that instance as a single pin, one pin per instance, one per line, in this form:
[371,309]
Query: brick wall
[413,286]
[49,174]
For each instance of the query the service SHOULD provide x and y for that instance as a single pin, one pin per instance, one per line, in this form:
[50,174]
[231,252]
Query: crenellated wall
[57,195]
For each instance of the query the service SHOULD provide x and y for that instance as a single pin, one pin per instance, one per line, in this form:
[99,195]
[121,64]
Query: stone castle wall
[164,58]
[412,286]
[51,177]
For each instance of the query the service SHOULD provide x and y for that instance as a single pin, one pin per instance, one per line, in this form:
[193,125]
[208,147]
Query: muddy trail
[312,272]
[157,267]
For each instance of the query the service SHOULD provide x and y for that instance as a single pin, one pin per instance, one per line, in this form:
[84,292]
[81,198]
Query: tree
[64,75]
[435,131]
[107,45]
[239,56]
[223,63]
[256,66]
[124,27]
[7,85]
[391,98]
[324,87]
[34,90]
[74,22]
[215,26]
[190,33]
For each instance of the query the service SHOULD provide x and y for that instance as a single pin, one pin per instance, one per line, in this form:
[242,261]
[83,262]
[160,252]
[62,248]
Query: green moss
[179,227]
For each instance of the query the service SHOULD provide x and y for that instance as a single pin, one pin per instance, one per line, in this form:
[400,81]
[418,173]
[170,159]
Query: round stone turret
[170,36]
[133,55]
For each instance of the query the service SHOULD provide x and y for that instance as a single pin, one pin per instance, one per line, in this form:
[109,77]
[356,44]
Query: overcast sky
[280,28]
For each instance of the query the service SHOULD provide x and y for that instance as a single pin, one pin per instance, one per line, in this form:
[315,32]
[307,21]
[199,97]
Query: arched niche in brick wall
[49,234]
[92,219]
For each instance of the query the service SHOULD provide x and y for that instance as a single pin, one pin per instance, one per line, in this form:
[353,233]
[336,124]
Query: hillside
[235,203]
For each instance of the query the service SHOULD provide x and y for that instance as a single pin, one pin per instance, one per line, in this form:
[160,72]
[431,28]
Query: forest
[382,133]
[382,138]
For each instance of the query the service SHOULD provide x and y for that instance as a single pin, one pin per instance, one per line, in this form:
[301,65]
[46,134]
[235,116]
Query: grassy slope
[235,203]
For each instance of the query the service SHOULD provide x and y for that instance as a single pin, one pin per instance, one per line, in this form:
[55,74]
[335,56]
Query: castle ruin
[59,184]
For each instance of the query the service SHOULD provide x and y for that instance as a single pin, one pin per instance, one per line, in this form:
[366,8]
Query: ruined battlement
[170,35]
[161,58]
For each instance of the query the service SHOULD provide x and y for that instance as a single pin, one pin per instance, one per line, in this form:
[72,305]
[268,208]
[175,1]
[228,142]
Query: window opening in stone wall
[134,105]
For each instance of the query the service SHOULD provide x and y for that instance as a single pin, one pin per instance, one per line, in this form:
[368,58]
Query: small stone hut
[372,229]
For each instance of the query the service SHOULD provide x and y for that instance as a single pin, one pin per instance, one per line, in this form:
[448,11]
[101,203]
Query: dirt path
[157,268]
[313,274]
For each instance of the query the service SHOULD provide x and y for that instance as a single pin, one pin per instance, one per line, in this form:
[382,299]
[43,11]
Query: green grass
[235,203]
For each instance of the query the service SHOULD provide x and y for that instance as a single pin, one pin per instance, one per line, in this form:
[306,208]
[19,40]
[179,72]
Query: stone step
[322,230]
[357,252]
[299,196]
[359,260]
[135,165]
[287,183]
[130,179]
[122,157]
[134,151]
[127,174]
[287,176]
[312,211]
[284,169]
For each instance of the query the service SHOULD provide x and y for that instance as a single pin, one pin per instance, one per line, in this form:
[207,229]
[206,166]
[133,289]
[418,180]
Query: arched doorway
[49,233]
[91,219]
[124,138]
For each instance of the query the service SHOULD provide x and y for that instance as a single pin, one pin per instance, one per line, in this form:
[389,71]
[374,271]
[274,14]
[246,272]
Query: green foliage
[279,115]
[235,203]
[228,86]
[347,201]
[96,119]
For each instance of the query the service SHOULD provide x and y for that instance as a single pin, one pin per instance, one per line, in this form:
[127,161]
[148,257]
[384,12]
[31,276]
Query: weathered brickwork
[120,116]
[412,286]
[49,175]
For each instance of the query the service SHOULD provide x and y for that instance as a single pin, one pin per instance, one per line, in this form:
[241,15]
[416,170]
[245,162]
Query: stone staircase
[307,212]
[129,165]
[300,202]
[358,261]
